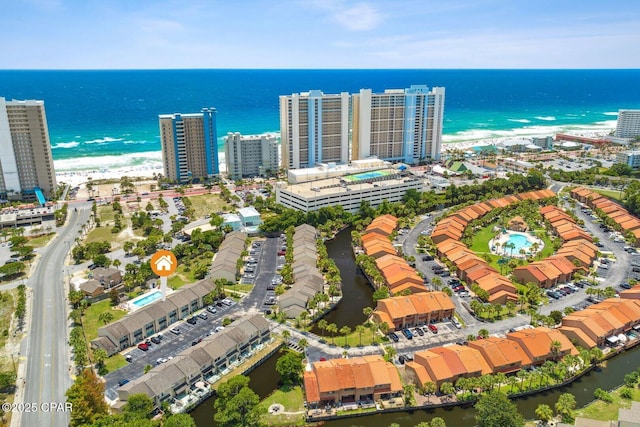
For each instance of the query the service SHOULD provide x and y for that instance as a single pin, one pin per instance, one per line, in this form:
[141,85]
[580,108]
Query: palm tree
[437,282]
[322,325]
[360,329]
[106,317]
[117,263]
[332,328]
[555,349]
[429,388]
[544,412]
[390,353]
[447,388]
[367,311]
[285,336]
[345,330]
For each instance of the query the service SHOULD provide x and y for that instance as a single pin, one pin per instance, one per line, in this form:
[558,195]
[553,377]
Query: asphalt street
[48,373]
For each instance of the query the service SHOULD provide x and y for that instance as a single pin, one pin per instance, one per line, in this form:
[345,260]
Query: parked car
[212,309]
[456,323]
[625,285]
[192,320]
[394,337]
[418,331]
[175,331]
[155,340]
[433,328]
[123,382]
[407,333]
[401,359]
[203,315]
[427,258]
[160,360]
[143,346]
[196,342]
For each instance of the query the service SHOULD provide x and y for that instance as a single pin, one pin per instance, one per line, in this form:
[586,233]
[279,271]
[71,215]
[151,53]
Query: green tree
[86,396]
[496,410]
[544,412]
[179,420]
[237,404]
[332,328]
[290,367]
[565,406]
[105,317]
[345,331]
[438,422]
[138,406]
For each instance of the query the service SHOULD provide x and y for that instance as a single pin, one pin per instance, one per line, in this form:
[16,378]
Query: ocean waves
[150,160]
[476,134]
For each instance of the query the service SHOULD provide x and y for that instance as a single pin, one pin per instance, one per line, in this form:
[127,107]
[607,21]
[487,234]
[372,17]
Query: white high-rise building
[314,129]
[26,163]
[628,124]
[399,125]
[250,155]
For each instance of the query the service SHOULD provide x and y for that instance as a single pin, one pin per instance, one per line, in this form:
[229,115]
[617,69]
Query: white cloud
[356,17]
[359,17]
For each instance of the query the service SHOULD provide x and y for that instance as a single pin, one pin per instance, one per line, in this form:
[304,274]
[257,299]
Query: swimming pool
[367,175]
[148,298]
[519,241]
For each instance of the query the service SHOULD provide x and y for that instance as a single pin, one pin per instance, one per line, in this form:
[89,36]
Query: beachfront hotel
[250,155]
[628,124]
[399,125]
[26,163]
[314,129]
[189,145]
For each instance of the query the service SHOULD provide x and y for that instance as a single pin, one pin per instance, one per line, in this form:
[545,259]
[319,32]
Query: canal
[356,291]
[357,295]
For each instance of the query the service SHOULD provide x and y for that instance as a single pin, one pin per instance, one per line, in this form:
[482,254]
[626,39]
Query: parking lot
[423,337]
[170,345]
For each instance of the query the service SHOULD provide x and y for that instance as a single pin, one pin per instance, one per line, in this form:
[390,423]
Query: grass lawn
[205,204]
[480,245]
[6,312]
[115,362]
[177,281]
[292,399]
[353,339]
[612,194]
[602,411]
[246,288]
[40,241]
[90,319]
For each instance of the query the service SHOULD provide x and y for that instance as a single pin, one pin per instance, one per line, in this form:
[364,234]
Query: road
[47,375]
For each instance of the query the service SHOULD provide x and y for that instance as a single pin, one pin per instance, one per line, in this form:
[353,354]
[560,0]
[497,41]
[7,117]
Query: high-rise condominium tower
[628,124]
[314,129]
[399,125]
[26,164]
[250,155]
[189,145]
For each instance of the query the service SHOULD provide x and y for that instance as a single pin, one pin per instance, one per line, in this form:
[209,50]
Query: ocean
[106,119]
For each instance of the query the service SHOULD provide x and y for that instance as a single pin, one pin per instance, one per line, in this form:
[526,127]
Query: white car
[161,360]
[219,328]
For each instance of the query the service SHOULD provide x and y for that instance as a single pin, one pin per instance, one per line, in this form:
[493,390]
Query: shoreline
[78,170]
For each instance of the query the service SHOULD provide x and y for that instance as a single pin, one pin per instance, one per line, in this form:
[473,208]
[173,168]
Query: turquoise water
[520,241]
[112,116]
[147,299]
[366,175]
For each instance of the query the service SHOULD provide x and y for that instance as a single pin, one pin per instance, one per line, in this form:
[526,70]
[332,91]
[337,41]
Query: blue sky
[125,34]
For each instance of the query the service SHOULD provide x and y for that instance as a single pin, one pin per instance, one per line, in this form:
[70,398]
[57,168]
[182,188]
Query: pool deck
[504,237]
[131,306]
